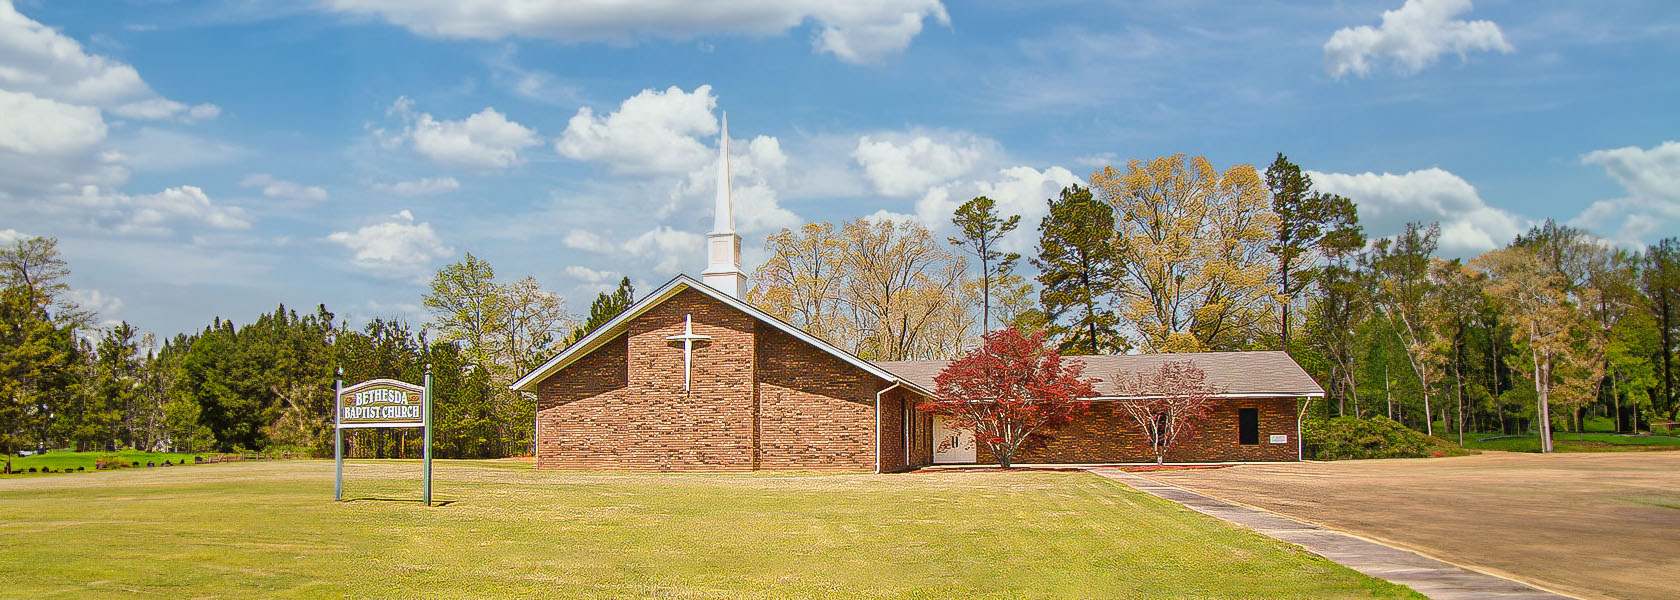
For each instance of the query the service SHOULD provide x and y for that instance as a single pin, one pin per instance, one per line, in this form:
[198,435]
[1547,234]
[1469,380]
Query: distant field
[271,530]
[59,461]
[1573,442]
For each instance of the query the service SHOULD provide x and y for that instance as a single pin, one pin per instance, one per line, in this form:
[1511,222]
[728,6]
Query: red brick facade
[761,398]
[1108,435]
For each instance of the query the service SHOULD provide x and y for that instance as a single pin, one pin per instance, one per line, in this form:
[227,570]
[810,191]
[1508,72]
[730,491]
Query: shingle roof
[620,324]
[1260,373]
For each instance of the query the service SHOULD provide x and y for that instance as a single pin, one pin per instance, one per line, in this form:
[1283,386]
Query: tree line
[1174,255]
[1165,255]
[267,385]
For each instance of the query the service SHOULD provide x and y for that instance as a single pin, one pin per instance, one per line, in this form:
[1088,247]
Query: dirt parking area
[1589,525]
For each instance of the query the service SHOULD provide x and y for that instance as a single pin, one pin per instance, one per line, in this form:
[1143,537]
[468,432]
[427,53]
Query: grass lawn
[61,460]
[271,530]
[1573,442]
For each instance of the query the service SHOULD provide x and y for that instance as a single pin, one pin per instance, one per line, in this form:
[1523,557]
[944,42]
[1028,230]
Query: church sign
[382,403]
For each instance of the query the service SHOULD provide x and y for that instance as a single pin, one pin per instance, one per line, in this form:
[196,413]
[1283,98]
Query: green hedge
[1344,438]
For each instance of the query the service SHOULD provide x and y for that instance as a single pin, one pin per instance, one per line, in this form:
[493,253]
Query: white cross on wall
[688,338]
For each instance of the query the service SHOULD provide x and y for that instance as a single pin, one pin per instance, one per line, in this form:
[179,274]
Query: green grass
[61,460]
[1573,442]
[271,530]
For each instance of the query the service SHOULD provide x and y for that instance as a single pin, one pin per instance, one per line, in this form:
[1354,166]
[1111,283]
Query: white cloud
[151,214]
[37,59]
[39,126]
[1651,178]
[157,109]
[153,149]
[486,140]
[1411,38]
[857,31]
[659,133]
[588,275]
[666,249]
[1018,190]
[281,189]
[884,215]
[1099,160]
[423,186]
[11,236]
[906,164]
[1386,202]
[758,168]
[584,240]
[397,248]
[100,303]
[651,132]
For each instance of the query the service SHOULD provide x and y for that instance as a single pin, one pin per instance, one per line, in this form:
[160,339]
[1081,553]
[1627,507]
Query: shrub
[109,461]
[1344,438]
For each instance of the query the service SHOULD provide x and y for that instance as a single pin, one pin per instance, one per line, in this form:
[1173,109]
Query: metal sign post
[338,437]
[426,398]
[382,403]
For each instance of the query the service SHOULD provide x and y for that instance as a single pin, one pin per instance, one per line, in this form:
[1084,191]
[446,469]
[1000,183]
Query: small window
[1248,426]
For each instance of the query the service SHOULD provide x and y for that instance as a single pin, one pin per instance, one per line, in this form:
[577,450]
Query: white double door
[951,446]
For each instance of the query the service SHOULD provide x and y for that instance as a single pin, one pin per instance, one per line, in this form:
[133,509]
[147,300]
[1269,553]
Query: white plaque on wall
[1280,439]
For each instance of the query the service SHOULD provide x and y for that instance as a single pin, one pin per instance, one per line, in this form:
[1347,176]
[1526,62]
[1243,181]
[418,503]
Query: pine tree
[1307,222]
[981,228]
[603,309]
[1076,262]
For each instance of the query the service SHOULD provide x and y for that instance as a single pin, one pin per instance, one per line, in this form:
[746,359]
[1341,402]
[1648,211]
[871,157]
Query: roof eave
[613,328]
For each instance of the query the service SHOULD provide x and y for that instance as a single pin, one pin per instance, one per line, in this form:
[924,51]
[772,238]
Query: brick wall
[577,411]
[648,422]
[1107,435]
[816,412]
[760,399]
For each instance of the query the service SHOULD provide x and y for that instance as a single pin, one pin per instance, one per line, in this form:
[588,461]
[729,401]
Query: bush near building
[1346,438]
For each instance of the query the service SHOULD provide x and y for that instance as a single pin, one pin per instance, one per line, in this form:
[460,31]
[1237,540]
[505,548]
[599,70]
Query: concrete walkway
[1430,577]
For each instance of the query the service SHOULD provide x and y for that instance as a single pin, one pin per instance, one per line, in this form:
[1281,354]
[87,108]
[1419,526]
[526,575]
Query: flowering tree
[1011,387]
[1167,403]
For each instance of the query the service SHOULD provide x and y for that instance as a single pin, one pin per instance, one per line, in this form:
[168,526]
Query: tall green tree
[605,307]
[982,228]
[1342,303]
[38,367]
[34,265]
[1661,283]
[1310,225]
[1547,319]
[1405,297]
[1458,289]
[1077,265]
[468,308]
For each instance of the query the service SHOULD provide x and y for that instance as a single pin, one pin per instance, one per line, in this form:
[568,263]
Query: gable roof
[619,324]
[1259,374]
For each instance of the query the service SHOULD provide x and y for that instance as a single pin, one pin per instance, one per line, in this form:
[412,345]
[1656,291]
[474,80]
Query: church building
[692,378]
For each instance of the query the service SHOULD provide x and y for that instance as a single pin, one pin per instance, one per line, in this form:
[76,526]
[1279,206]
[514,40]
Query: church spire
[723,214]
[723,247]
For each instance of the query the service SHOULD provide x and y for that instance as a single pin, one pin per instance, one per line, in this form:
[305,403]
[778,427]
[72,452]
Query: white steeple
[723,247]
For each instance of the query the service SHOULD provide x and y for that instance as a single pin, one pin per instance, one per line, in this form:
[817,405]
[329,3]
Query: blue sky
[215,158]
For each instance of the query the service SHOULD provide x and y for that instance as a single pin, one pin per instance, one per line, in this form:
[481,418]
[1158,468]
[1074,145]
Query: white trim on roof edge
[612,329]
[1226,396]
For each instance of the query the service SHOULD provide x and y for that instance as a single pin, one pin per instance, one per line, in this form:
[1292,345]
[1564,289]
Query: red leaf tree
[1167,403]
[1008,389]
